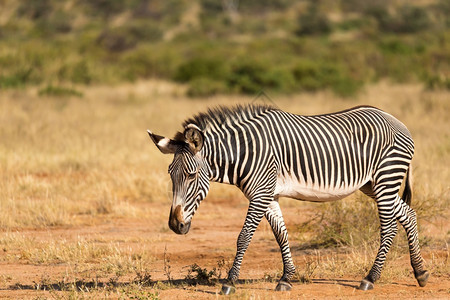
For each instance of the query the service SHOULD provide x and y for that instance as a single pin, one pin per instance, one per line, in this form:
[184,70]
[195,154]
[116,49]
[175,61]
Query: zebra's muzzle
[176,221]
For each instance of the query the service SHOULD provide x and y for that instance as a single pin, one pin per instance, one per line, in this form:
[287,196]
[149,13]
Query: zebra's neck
[220,158]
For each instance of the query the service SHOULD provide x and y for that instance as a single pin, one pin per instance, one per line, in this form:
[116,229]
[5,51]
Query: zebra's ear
[194,137]
[165,145]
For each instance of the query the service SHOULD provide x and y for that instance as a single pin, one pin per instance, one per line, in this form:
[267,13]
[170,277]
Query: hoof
[283,286]
[423,278]
[365,285]
[227,289]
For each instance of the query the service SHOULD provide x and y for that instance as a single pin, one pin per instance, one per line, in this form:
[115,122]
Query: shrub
[408,19]
[412,19]
[59,91]
[34,9]
[104,8]
[16,79]
[202,67]
[434,82]
[313,22]
[145,31]
[252,76]
[442,10]
[262,6]
[310,76]
[211,7]
[247,77]
[58,22]
[197,275]
[203,87]
[314,76]
[81,73]
[150,61]
[116,40]
[345,86]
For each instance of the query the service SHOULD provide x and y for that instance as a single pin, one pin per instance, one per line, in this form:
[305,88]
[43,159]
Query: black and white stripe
[269,153]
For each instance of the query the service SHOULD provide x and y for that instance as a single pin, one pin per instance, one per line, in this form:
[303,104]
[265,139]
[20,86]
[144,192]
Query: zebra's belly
[309,192]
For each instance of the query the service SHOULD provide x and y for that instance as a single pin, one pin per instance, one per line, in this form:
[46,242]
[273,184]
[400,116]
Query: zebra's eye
[192,175]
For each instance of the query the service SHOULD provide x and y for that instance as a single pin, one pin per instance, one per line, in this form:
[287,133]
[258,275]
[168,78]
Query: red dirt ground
[212,238]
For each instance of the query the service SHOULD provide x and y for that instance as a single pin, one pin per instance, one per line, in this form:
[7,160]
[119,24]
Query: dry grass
[76,162]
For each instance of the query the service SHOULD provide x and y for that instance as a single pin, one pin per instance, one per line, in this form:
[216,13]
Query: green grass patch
[59,91]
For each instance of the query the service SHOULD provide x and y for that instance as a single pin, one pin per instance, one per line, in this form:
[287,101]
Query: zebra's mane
[221,114]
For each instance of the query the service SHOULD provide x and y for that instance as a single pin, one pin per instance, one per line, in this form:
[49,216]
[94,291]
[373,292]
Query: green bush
[144,31]
[434,82]
[150,61]
[116,40]
[103,8]
[211,7]
[408,19]
[251,76]
[59,22]
[59,91]
[17,79]
[34,9]
[213,68]
[412,19]
[216,53]
[313,22]
[313,76]
[310,76]
[81,73]
[441,11]
[204,87]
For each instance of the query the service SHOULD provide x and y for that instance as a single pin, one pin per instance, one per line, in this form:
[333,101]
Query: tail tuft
[407,192]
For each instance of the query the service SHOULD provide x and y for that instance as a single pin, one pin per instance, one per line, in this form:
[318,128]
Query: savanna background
[84,194]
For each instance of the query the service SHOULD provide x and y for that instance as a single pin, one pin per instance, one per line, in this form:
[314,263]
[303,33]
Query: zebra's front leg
[276,221]
[255,213]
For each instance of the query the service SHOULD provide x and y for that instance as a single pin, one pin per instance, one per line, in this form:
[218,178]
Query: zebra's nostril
[183,227]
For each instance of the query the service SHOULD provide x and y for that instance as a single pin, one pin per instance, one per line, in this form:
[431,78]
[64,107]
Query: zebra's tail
[407,192]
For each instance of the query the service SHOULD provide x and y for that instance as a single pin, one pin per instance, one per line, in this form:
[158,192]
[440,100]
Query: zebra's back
[328,157]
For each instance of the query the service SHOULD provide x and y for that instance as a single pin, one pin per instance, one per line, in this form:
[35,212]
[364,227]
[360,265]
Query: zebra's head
[189,173]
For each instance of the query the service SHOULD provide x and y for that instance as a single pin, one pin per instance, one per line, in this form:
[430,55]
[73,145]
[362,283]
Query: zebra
[268,153]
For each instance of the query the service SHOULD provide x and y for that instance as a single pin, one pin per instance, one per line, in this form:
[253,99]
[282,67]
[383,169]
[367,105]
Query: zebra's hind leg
[388,230]
[276,221]
[407,217]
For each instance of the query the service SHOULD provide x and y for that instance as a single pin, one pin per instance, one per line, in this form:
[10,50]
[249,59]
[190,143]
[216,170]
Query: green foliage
[16,79]
[258,6]
[34,9]
[442,11]
[59,91]
[434,82]
[204,87]
[246,48]
[104,8]
[408,19]
[149,61]
[313,22]
[211,7]
[314,76]
[252,76]
[213,68]
[116,40]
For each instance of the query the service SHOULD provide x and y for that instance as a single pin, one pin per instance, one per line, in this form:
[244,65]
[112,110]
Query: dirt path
[212,239]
